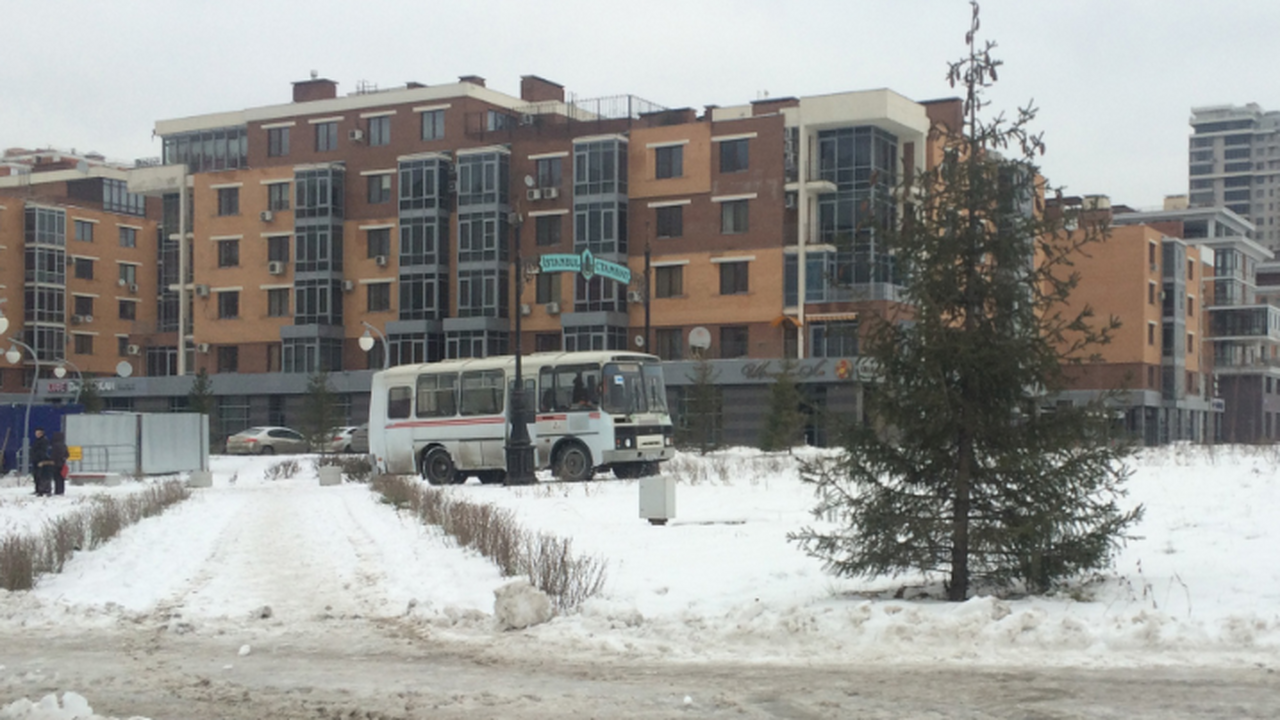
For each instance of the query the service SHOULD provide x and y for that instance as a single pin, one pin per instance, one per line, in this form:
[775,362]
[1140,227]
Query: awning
[832,317]
[795,322]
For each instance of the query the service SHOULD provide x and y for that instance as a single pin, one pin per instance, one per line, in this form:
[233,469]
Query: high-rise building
[1233,161]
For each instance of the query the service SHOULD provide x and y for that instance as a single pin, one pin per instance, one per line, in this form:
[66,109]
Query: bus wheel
[437,466]
[573,463]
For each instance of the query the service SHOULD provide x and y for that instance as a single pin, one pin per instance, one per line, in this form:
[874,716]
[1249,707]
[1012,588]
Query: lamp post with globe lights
[14,356]
[61,371]
[519,450]
[366,343]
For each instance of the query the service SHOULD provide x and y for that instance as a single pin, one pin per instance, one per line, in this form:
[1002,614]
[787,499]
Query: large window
[482,293]
[319,248]
[379,130]
[277,142]
[379,296]
[128,309]
[228,253]
[668,161]
[278,302]
[82,305]
[482,179]
[422,184]
[317,302]
[599,168]
[438,395]
[128,237]
[433,125]
[278,248]
[482,392]
[668,281]
[228,305]
[548,230]
[834,339]
[549,170]
[83,344]
[84,230]
[733,217]
[600,227]
[420,241]
[83,269]
[229,201]
[733,341]
[128,274]
[547,288]
[423,296]
[669,343]
[670,221]
[117,198]
[228,358]
[326,136]
[733,156]
[479,236]
[205,150]
[733,278]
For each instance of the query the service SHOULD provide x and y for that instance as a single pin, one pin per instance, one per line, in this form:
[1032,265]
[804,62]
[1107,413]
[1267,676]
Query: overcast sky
[1114,79]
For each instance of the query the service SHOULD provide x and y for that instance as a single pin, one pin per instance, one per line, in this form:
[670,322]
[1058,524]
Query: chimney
[473,79]
[314,89]
[535,89]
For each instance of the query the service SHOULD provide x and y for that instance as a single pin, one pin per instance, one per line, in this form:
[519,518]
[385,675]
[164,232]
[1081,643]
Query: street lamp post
[61,371]
[519,448]
[13,355]
[366,343]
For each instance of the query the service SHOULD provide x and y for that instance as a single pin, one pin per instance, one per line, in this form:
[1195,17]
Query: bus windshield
[634,388]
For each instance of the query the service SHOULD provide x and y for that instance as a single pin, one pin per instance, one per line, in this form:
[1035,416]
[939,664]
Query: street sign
[74,452]
[586,264]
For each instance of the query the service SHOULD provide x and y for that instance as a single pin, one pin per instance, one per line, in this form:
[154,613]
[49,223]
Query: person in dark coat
[58,453]
[41,462]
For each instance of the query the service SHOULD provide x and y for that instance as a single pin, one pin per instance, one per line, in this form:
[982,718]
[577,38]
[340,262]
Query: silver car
[266,440]
[342,440]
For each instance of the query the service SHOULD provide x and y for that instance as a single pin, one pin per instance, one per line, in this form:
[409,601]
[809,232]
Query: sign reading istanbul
[586,264]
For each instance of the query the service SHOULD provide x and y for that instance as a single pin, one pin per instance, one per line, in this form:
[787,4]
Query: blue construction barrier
[13,420]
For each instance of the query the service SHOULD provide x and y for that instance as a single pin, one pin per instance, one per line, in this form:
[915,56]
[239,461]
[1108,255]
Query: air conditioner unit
[791,201]
[355,135]
[635,296]
[275,267]
[380,260]
[202,291]
[133,288]
[88,319]
[525,309]
[266,215]
[133,350]
[553,308]
[533,194]
[77,319]
[202,347]
[348,285]
[550,193]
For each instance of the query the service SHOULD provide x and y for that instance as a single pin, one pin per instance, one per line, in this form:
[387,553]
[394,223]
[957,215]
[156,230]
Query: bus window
[399,402]
[577,387]
[437,395]
[547,381]
[655,387]
[624,389]
[482,392]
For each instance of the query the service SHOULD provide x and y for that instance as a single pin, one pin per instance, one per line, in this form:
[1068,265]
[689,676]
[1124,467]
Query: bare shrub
[282,470]
[62,537]
[552,568]
[17,562]
[105,521]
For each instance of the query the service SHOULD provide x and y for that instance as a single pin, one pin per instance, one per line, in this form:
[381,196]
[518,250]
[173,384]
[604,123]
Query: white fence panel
[174,442]
[109,442]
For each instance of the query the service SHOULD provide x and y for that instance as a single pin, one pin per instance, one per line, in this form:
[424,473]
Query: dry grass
[24,558]
[546,560]
[355,468]
[282,470]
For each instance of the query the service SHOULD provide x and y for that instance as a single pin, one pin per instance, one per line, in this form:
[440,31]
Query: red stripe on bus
[448,423]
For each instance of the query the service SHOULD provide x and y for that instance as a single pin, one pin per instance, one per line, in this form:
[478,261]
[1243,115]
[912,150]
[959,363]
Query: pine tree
[90,397]
[320,411]
[698,427]
[783,426]
[968,477]
[200,399]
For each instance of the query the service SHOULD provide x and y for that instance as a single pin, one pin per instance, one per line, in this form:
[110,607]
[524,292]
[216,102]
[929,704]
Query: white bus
[588,412]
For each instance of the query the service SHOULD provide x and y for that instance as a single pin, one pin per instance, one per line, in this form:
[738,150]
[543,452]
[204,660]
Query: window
[733,156]
[379,188]
[326,136]
[549,172]
[379,295]
[229,201]
[733,341]
[548,230]
[122,345]
[669,343]
[668,281]
[83,269]
[128,274]
[482,392]
[82,305]
[1151,333]
[117,198]
[733,217]
[228,358]
[278,196]
[1191,307]
[499,121]
[277,142]
[433,125]
[228,305]
[733,278]
[278,302]
[379,130]
[83,344]
[670,221]
[128,310]
[834,339]
[668,161]
[1191,269]
[399,402]
[84,231]
[378,242]
[278,248]
[228,253]
[547,288]
[128,237]
[437,395]
[547,342]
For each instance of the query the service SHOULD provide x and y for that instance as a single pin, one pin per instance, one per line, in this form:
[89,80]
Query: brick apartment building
[306,224]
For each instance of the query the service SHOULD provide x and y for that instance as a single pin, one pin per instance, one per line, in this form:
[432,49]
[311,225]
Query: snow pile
[518,605]
[72,707]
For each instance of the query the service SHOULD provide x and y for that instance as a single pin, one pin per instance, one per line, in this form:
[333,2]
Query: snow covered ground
[260,559]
